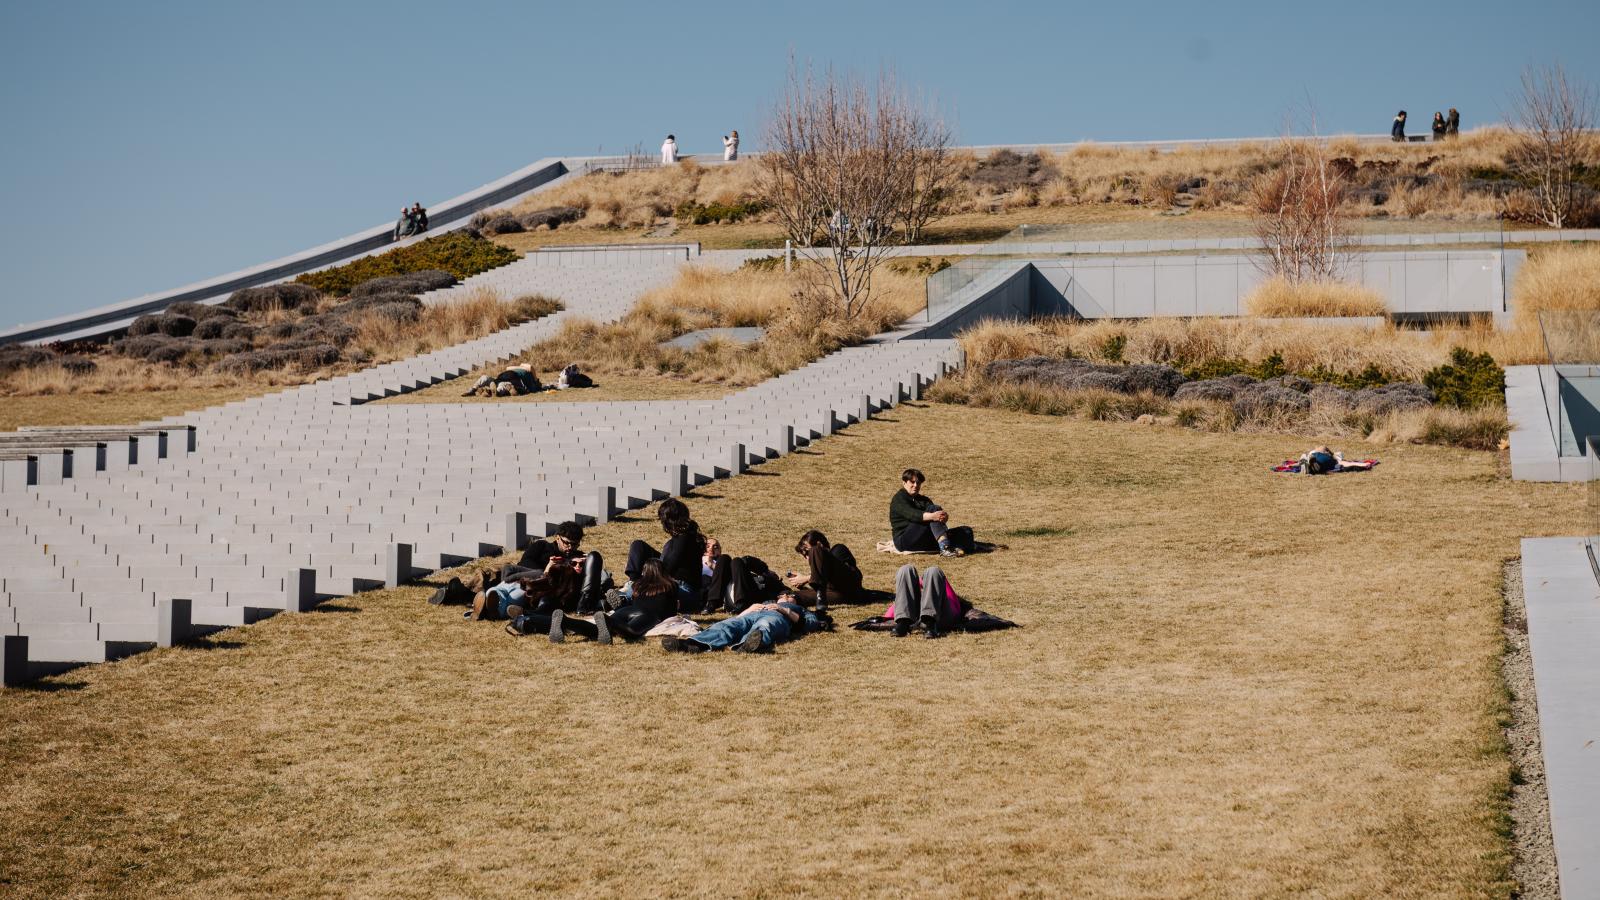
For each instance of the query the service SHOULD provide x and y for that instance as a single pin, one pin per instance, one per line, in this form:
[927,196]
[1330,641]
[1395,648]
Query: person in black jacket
[1439,126]
[732,583]
[1452,124]
[917,523]
[566,546]
[680,556]
[1397,131]
[831,574]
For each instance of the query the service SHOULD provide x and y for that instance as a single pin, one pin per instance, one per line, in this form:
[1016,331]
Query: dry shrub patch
[461,253]
[265,346]
[1200,703]
[1278,298]
[1560,277]
[800,327]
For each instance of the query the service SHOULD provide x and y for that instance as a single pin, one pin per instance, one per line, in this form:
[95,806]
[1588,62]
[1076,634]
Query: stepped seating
[313,492]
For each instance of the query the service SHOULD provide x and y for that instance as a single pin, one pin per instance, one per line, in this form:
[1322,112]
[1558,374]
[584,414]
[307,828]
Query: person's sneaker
[930,628]
[754,642]
[902,627]
[614,599]
[949,552]
[673,644]
[557,635]
[602,629]
[514,611]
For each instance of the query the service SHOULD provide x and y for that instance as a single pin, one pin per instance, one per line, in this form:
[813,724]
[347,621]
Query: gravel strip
[1533,848]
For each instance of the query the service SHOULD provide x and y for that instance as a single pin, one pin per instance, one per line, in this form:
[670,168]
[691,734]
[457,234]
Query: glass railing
[1571,378]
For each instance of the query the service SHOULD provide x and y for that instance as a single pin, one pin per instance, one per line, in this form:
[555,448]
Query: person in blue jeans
[756,630]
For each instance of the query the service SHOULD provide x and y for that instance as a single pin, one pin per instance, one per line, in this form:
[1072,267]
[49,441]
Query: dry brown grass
[1199,704]
[1088,178]
[1476,429]
[798,329]
[115,409]
[607,389]
[1565,277]
[1278,298]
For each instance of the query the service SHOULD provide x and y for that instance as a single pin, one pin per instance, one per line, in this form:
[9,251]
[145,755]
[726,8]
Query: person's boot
[754,642]
[674,644]
[902,627]
[613,599]
[557,635]
[602,629]
[930,628]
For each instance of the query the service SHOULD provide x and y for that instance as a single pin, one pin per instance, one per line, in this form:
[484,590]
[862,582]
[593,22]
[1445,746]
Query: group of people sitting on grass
[412,221]
[556,584]
[519,379]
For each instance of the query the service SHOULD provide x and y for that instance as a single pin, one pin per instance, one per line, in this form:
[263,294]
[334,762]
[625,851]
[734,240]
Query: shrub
[173,351]
[17,356]
[223,346]
[252,361]
[317,356]
[1006,170]
[273,296]
[409,283]
[762,264]
[1469,381]
[211,328]
[1481,429]
[77,365]
[498,223]
[373,301]
[1079,374]
[707,213]
[148,346]
[553,217]
[461,255]
[199,311]
[243,331]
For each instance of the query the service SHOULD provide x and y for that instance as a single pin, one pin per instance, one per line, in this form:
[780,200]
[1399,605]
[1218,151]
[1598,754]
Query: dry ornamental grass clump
[1279,298]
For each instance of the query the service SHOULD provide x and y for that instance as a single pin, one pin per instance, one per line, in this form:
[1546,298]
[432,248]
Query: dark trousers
[733,585]
[922,535]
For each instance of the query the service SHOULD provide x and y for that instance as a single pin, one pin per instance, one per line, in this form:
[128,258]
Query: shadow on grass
[49,687]
[205,643]
[335,608]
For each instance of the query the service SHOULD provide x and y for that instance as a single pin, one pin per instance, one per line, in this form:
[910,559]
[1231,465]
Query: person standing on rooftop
[669,151]
[730,147]
[1452,123]
[1397,131]
[1439,128]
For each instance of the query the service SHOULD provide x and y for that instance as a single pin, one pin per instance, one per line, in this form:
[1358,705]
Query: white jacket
[669,151]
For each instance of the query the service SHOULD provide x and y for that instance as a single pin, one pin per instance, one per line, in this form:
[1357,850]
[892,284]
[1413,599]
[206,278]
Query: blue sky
[149,145]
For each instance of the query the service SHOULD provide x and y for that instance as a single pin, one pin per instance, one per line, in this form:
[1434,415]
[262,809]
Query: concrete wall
[1412,283]
[1579,408]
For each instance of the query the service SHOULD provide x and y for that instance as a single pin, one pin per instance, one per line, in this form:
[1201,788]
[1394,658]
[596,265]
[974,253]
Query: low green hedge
[456,252]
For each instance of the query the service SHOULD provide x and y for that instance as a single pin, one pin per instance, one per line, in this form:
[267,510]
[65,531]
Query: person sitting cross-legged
[756,630]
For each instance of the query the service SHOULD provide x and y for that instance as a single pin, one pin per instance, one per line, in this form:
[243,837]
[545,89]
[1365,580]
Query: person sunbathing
[1321,461]
[648,600]
[732,583]
[512,381]
[756,630]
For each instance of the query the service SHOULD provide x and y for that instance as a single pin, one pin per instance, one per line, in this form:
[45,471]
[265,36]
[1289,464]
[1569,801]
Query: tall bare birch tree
[1552,119]
[1299,216]
[845,165]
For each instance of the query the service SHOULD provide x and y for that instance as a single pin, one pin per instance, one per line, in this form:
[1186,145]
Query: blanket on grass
[977,547]
[975,621]
[1296,466]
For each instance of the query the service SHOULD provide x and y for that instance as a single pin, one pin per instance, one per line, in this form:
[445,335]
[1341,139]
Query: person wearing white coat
[730,147]
[669,150]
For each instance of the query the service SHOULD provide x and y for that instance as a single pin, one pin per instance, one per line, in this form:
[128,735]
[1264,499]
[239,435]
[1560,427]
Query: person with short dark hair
[1397,131]
[831,575]
[420,216]
[514,596]
[1439,126]
[650,599]
[917,523]
[566,546]
[1452,124]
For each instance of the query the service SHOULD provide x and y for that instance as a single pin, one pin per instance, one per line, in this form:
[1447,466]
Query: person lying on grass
[541,591]
[1321,461]
[756,630]
[512,381]
[831,574]
[920,524]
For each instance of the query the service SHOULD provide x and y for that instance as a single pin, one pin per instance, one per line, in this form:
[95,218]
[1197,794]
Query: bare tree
[1299,216]
[844,165]
[1552,119]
